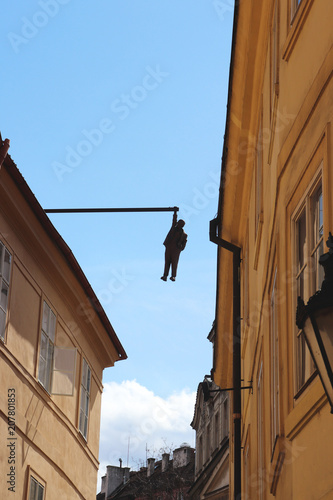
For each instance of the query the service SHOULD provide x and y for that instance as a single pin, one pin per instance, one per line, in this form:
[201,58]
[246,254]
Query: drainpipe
[236,356]
[4,150]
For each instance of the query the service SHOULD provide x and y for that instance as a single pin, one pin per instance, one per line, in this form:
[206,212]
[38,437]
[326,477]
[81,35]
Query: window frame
[274,55]
[35,477]
[296,17]
[85,390]
[245,294]
[46,380]
[274,362]
[258,188]
[304,367]
[216,430]
[294,6]
[274,75]
[208,441]
[259,161]
[4,282]
[260,430]
[200,454]
[59,362]
[247,466]
[225,417]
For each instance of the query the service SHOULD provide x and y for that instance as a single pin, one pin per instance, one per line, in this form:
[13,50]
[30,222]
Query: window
[260,410]
[36,491]
[246,287]
[208,441]
[47,347]
[317,248]
[274,54]
[216,431]
[294,7]
[258,189]
[298,12]
[258,174]
[200,455]
[247,471]
[57,365]
[5,262]
[308,225]
[85,397]
[274,355]
[225,418]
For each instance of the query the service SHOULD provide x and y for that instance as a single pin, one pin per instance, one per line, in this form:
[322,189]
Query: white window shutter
[64,367]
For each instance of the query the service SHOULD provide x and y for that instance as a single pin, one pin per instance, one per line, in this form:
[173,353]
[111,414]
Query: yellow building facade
[55,341]
[276,204]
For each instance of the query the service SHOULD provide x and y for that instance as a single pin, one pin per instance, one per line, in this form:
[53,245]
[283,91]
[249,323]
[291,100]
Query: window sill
[273,122]
[276,463]
[45,391]
[305,408]
[305,385]
[82,437]
[258,241]
[296,25]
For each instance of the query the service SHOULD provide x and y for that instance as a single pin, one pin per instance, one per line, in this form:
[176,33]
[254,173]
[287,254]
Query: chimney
[165,461]
[115,476]
[4,150]
[183,455]
[151,466]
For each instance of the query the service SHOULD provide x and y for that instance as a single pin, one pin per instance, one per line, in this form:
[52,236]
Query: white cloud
[134,418]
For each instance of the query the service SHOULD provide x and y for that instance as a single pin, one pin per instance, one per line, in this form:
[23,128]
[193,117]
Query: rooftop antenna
[128,449]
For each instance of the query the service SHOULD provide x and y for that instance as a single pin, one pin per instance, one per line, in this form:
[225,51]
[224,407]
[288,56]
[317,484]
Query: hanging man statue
[174,243]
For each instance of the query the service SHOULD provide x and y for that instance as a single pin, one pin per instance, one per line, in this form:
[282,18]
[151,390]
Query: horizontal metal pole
[106,210]
[231,389]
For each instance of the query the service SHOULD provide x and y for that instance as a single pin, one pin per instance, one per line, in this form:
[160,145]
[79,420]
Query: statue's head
[181,223]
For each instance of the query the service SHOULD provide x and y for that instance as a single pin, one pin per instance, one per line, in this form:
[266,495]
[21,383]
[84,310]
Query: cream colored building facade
[55,341]
[276,204]
[211,425]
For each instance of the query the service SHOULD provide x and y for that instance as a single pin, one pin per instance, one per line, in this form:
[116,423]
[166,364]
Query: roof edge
[52,232]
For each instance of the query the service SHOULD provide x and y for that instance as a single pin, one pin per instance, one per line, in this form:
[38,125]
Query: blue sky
[122,104]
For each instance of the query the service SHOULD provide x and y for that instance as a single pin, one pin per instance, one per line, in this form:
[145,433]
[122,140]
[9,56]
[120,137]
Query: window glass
[260,420]
[36,490]
[258,180]
[274,355]
[317,238]
[52,326]
[274,54]
[294,6]
[46,347]
[4,296]
[46,311]
[2,323]
[85,398]
[301,229]
[309,274]
[33,489]
[49,322]
[40,492]
[5,262]
[88,380]
[301,252]
[6,265]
